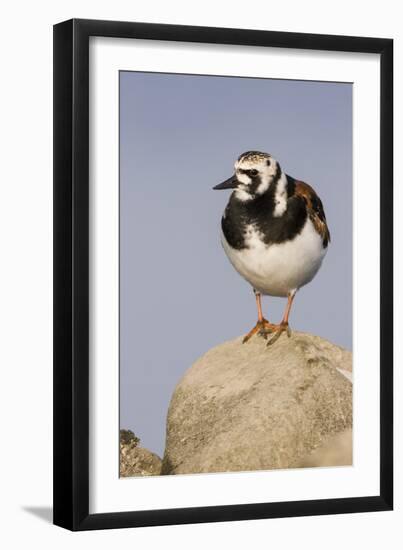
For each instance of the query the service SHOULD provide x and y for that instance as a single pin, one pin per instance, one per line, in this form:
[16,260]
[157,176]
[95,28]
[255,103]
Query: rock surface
[247,407]
[135,460]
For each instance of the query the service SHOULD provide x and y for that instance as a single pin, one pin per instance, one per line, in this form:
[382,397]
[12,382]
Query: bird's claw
[264,332]
[262,328]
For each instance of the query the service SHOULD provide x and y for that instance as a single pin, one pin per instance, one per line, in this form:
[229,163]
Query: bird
[274,233]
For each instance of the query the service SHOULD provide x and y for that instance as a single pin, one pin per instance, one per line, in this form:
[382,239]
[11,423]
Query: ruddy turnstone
[274,233]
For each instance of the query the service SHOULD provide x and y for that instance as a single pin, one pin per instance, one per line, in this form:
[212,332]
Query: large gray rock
[252,407]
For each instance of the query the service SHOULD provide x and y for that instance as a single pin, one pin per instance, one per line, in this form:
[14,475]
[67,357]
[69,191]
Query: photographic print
[235,274]
[222,251]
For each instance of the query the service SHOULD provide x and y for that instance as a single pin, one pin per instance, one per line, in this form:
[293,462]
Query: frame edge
[62,275]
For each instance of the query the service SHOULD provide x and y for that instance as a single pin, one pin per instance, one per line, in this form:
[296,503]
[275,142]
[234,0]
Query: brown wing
[315,209]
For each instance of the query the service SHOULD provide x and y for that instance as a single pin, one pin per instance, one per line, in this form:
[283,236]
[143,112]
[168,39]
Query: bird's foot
[263,328]
[278,330]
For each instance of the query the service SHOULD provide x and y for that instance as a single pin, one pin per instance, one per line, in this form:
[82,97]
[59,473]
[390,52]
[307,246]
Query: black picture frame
[71,274]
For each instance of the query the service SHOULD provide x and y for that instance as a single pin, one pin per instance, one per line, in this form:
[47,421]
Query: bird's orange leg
[283,326]
[262,327]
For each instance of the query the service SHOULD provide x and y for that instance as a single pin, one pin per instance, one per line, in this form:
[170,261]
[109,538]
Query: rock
[135,460]
[127,436]
[252,407]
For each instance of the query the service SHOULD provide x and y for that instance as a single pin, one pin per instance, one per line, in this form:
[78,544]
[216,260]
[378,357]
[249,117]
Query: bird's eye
[253,172]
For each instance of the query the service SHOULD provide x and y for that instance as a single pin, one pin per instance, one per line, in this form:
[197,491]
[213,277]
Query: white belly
[278,268]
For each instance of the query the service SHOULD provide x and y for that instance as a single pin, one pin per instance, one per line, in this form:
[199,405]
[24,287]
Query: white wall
[25,287]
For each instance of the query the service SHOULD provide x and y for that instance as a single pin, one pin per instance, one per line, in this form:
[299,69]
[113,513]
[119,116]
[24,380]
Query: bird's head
[254,172]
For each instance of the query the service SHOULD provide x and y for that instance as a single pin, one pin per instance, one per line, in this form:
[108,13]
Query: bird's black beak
[230,183]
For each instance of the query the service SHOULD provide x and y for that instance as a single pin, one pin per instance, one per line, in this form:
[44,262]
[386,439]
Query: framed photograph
[223,319]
